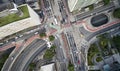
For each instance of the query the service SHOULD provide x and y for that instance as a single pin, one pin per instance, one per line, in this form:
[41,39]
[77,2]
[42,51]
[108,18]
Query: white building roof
[48,67]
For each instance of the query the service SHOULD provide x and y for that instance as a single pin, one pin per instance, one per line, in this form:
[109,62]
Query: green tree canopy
[116,13]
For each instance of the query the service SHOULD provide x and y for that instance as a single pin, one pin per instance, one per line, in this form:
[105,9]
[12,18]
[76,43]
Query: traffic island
[50,53]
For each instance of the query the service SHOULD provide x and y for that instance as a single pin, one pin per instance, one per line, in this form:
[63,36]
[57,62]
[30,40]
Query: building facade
[78,4]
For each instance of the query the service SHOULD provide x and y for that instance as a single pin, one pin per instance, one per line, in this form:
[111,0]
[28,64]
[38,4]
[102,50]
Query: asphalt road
[25,36]
[75,56]
[60,55]
[31,51]
[88,38]
[9,61]
[97,10]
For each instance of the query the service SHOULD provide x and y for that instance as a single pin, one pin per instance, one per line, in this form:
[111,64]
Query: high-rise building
[7,7]
[16,22]
[78,4]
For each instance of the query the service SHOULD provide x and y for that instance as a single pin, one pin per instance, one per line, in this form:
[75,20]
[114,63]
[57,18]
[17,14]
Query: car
[20,35]
[12,57]
[16,37]
[36,33]
[6,41]
[78,61]
[1,44]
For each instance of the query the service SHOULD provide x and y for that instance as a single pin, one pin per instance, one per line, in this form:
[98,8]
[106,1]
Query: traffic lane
[33,56]
[13,56]
[22,56]
[74,49]
[33,33]
[101,31]
[63,67]
[115,31]
[29,51]
[23,37]
[76,56]
[98,10]
[59,50]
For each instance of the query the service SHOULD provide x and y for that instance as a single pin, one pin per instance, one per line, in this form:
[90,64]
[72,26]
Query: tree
[106,2]
[51,38]
[49,54]
[116,13]
[32,66]
[116,40]
[70,67]
[42,35]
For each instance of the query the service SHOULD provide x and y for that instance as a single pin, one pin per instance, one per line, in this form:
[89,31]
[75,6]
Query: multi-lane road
[84,15]
[60,54]
[24,59]
[88,38]
[74,53]
[27,55]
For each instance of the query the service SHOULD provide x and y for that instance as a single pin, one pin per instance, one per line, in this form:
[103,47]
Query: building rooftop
[14,17]
[48,67]
[78,4]
[11,26]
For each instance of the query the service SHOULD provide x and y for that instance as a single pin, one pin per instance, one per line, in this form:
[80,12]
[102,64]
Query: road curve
[88,38]
[30,52]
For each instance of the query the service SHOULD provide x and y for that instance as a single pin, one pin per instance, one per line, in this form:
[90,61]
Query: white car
[1,43]
[16,37]
[36,33]
[6,41]
[20,35]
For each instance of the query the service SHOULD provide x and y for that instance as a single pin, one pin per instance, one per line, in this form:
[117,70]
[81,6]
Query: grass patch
[49,54]
[51,38]
[116,13]
[14,17]
[91,52]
